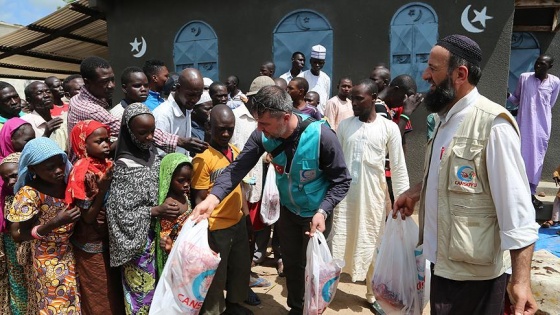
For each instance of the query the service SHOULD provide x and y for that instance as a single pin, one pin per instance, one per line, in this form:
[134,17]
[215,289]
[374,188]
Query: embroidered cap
[318,52]
[463,47]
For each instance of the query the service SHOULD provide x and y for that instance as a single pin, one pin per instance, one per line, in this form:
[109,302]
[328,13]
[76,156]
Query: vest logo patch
[466,176]
[307,175]
[278,168]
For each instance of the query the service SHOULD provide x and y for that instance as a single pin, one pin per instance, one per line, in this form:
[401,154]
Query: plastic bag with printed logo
[397,283]
[187,274]
[322,274]
[270,204]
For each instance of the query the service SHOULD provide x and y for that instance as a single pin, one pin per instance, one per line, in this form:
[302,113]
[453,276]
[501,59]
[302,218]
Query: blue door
[196,46]
[525,50]
[299,31]
[414,31]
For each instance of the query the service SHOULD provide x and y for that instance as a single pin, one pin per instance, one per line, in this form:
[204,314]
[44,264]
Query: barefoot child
[88,183]
[45,218]
[175,175]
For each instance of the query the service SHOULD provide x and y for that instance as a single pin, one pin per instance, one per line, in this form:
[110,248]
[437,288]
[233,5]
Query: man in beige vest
[475,205]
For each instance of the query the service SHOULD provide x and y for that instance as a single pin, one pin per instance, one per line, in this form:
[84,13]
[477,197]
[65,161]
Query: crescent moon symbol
[300,24]
[419,16]
[466,23]
[197,283]
[326,292]
[142,50]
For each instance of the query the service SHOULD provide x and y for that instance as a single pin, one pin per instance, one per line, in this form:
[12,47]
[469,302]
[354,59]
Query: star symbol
[135,44]
[306,19]
[481,17]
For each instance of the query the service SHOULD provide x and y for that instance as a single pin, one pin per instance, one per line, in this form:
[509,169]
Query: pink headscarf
[6,133]
[6,148]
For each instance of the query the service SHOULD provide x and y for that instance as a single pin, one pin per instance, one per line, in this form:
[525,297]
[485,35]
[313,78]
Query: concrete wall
[361,39]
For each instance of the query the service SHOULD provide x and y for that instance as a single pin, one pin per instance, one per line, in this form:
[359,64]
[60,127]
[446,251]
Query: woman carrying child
[88,183]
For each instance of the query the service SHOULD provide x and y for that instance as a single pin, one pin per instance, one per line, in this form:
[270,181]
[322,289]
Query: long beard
[438,99]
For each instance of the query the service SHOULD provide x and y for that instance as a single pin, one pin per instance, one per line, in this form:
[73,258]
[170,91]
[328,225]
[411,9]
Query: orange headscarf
[76,188]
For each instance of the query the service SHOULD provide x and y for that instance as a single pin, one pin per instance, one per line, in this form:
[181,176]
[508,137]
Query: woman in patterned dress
[131,205]
[44,217]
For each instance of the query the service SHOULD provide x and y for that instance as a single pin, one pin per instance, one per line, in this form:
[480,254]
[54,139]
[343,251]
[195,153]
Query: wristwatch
[323,212]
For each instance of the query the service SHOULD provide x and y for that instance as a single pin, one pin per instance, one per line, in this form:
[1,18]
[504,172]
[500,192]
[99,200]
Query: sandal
[547,224]
[537,203]
[258,282]
[252,298]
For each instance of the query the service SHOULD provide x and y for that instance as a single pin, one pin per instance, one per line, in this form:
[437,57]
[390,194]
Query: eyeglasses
[260,108]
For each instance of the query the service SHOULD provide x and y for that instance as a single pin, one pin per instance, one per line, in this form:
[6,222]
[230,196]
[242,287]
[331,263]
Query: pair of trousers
[467,297]
[293,242]
[262,239]
[233,271]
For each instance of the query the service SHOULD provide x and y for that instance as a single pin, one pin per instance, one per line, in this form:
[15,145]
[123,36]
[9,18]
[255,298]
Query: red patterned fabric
[76,188]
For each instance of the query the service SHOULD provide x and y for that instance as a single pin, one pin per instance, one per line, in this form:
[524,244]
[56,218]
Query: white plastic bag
[424,276]
[322,274]
[270,204]
[396,280]
[187,274]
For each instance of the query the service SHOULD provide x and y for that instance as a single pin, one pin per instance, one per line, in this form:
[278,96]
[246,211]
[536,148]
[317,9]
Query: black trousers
[483,297]
[293,242]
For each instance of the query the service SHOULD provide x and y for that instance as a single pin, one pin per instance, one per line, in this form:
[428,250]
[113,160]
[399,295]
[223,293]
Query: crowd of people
[94,191]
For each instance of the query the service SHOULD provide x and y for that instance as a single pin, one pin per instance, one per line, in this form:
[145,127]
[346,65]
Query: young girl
[132,203]
[88,183]
[175,176]
[45,218]
[13,285]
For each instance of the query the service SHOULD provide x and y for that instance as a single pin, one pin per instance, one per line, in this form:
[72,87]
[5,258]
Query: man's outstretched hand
[204,209]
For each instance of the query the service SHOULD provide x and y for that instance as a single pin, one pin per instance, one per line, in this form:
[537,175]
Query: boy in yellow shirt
[227,227]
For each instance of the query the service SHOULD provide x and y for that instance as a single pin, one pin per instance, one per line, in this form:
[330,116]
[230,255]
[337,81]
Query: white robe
[359,219]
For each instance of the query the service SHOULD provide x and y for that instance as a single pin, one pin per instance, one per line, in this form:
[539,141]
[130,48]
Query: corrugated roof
[54,45]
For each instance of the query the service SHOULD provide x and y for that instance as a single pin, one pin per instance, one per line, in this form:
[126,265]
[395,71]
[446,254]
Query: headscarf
[37,151]
[168,166]
[6,133]
[5,191]
[128,146]
[7,148]
[76,181]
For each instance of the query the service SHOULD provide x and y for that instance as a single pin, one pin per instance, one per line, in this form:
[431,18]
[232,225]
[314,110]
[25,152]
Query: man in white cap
[318,81]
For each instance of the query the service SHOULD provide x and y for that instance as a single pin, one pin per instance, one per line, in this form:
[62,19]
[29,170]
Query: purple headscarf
[6,147]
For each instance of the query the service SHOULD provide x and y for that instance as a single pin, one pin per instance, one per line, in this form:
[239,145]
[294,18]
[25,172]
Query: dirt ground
[349,298]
